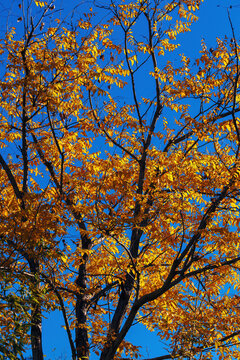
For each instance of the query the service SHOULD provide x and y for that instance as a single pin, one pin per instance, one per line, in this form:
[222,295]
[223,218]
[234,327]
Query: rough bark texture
[82,345]
[82,342]
[36,315]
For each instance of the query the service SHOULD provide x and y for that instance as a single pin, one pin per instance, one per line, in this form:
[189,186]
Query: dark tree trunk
[82,344]
[36,333]
[81,332]
[36,314]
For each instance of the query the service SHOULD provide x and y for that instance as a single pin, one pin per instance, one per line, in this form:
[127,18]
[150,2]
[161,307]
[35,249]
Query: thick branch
[11,178]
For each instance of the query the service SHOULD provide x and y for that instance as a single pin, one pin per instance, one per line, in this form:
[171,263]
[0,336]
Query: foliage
[119,182]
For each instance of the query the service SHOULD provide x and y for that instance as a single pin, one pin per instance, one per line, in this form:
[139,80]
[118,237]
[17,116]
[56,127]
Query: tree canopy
[119,179]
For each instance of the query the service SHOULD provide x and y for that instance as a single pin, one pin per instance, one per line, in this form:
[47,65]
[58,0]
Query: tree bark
[82,344]
[36,315]
[36,333]
[81,332]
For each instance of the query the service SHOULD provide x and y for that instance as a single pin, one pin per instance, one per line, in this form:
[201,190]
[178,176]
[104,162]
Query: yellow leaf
[40,3]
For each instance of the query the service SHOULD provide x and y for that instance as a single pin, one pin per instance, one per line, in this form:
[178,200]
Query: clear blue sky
[213,22]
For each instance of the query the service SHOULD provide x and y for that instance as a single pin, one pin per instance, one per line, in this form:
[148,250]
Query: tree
[119,182]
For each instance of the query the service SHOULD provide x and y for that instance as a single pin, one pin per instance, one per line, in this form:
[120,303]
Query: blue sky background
[213,22]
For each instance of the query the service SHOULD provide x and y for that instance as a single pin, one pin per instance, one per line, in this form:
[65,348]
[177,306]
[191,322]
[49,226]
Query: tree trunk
[36,315]
[36,333]
[82,345]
